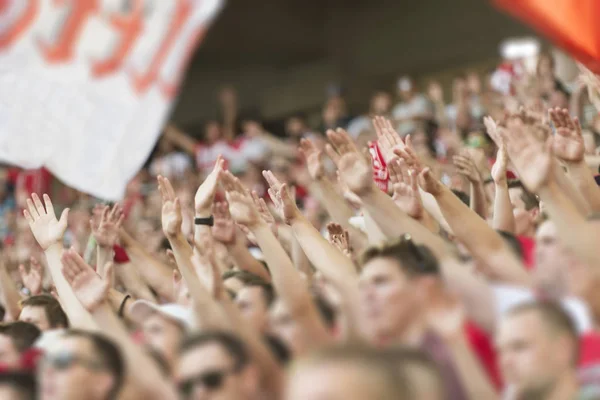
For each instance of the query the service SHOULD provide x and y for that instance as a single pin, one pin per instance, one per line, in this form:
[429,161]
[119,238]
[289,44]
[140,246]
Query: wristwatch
[210,221]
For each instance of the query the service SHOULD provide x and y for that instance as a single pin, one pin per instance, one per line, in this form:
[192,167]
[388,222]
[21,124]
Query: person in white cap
[163,326]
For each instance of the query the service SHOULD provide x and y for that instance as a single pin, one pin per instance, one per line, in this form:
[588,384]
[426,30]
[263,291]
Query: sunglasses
[64,360]
[211,381]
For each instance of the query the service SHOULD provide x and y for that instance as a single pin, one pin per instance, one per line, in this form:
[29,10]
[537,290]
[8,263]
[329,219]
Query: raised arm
[503,218]
[356,172]
[225,231]
[9,293]
[203,203]
[92,292]
[484,243]
[48,231]
[106,232]
[155,273]
[180,139]
[334,202]
[207,314]
[289,284]
[326,258]
[568,146]
[466,167]
[534,161]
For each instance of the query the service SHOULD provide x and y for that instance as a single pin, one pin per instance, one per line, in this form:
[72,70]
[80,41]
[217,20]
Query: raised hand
[206,192]
[171,209]
[466,167]
[353,167]
[429,183]
[314,159]
[242,209]
[46,229]
[387,137]
[106,231]
[568,143]
[499,168]
[492,129]
[265,213]
[282,197]
[531,158]
[32,279]
[90,289]
[405,188]
[223,229]
[408,154]
[339,238]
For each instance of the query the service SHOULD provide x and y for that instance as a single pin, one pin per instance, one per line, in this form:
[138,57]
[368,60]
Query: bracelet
[488,181]
[122,306]
[210,221]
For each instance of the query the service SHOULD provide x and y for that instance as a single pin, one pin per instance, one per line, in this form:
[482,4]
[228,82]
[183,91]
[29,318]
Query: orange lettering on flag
[129,26]
[142,81]
[169,89]
[62,49]
[13,32]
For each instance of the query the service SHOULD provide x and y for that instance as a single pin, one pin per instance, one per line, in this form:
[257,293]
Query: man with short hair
[346,373]
[17,385]
[15,339]
[81,365]
[216,365]
[538,346]
[44,311]
[254,300]
[163,327]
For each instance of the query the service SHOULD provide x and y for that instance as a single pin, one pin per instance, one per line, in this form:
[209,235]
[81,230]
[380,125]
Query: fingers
[272,180]
[48,203]
[38,204]
[33,212]
[28,217]
[22,272]
[64,217]
[333,154]
[577,125]
[34,263]
[228,181]
[105,212]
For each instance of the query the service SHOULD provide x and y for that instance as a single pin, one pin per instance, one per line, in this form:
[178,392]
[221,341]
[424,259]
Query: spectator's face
[332,381]
[552,259]
[213,132]
[253,306]
[558,99]
[36,316]
[163,335]
[295,127]
[9,355]
[531,358]
[208,372]
[389,298]
[381,104]
[285,328]
[523,219]
[72,371]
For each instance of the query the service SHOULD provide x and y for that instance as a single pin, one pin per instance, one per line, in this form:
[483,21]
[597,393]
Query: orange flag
[570,24]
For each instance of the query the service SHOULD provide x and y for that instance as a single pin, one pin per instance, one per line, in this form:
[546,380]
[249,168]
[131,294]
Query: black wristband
[210,221]
[488,181]
[122,306]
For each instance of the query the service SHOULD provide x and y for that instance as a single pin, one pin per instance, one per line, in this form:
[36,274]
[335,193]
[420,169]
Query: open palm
[89,288]
[46,229]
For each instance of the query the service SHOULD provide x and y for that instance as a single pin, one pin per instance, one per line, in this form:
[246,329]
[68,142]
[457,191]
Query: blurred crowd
[439,245]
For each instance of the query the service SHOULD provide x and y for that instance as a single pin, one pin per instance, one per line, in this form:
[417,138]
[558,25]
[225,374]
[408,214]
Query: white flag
[86,85]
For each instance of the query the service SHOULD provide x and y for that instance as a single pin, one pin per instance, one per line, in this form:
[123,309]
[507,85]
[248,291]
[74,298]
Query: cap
[142,309]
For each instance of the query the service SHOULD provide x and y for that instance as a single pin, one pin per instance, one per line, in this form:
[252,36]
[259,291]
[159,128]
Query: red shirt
[528,247]
[482,346]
